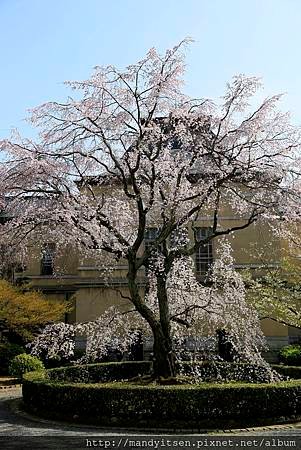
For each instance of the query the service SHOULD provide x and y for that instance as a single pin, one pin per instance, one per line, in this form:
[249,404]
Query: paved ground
[14,422]
[19,430]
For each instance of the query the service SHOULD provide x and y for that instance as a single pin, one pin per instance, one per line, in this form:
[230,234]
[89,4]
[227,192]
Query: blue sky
[44,42]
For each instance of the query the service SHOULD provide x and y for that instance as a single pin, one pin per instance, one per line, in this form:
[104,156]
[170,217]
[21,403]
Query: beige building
[68,277]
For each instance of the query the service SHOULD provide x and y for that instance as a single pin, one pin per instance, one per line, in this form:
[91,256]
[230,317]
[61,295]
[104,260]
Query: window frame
[204,256]
[47,259]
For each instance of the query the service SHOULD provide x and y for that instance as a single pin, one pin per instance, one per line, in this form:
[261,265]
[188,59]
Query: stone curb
[10,386]
[15,407]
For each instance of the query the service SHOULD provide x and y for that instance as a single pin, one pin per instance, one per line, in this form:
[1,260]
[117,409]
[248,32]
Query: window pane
[204,255]
[47,259]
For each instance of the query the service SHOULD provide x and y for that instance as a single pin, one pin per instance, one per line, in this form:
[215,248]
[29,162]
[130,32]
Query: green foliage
[291,355]
[277,294]
[288,371]
[24,363]
[59,361]
[103,372]
[24,312]
[7,352]
[225,371]
[122,403]
[206,371]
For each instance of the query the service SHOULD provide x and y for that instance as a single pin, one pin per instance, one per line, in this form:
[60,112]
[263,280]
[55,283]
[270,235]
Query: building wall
[80,280]
[93,301]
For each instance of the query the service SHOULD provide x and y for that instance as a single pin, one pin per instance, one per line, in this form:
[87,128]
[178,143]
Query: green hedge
[288,371]
[207,371]
[187,406]
[101,372]
[225,371]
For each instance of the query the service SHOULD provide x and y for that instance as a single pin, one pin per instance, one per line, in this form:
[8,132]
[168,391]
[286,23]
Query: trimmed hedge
[288,371]
[226,371]
[101,372]
[207,371]
[188,406]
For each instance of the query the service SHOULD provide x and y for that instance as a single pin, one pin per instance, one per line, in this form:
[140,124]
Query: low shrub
[291,355]
[101,372]
[24,363]
[288,371]
[226,371]
[207,371]
[7,352]
[204,371]
[125,403]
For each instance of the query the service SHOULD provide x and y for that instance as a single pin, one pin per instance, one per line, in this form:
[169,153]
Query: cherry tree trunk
[164,358]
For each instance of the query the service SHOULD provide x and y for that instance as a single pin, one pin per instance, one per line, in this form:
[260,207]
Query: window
[149,237]
[3,218]
[47,259]
[204,255]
